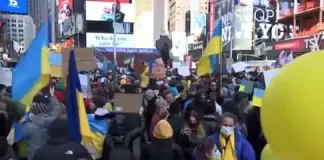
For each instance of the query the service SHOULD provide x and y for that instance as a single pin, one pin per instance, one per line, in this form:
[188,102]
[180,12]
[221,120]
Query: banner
[107,40]
[223,11]
[104,11]
[65,10]
[14,6]
[158,70]
[68,27]
[243,25]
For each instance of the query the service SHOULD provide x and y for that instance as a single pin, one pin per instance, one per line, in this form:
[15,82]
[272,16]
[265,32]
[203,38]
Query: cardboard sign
[158,70]
[128,103]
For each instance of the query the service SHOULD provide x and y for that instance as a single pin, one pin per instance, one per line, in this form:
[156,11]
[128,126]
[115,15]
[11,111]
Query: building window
[13,25]
[13,20]
[20,30]
[20,21]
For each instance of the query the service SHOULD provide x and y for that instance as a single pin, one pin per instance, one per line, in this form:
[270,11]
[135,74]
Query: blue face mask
[216,155]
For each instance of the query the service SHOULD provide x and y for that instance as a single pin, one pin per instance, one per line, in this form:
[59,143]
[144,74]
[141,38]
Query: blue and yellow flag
[208,62]
[257,97]
[33,70]
[129,59]
[77,118]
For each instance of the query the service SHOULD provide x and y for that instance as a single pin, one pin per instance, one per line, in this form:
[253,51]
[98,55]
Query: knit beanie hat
[40,105]
[163,130]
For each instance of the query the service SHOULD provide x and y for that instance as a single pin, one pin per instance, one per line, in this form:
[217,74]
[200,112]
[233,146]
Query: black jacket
[62,150]
[177,123]
[161,149]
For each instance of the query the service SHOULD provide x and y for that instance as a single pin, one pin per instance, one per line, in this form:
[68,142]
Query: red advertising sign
[65,8]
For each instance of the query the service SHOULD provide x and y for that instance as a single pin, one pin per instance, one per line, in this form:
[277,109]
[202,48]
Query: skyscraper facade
[161,17]
[38,10]
[19,28]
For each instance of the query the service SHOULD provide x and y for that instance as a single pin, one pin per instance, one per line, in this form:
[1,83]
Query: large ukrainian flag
[77,118]
[33,70]
[208,62]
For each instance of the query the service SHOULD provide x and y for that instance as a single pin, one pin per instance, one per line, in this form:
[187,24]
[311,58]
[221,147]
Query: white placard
[269,74]
[107,40]
[6,76]
[184,70]
[238,67]
[176,64]
[84,81]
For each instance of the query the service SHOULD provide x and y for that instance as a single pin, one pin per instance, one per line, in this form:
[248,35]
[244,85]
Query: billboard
[65,11]
[236,26]
[103,10]
[107,40]
[243,25]
[14,6]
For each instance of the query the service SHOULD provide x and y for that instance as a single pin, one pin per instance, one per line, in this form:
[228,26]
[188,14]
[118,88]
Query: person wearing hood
[58,146]
[162,146]
[116,144]
[230,143]
[41,115]
[6,152]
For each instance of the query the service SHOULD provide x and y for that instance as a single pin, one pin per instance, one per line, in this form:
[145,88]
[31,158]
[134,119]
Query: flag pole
[232,26]
[115,37]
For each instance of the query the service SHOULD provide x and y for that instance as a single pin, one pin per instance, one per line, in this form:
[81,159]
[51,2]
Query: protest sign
[6,76]
[128,103]
[158,70]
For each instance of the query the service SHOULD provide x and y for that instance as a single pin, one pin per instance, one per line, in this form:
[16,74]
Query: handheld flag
[257,97]
[78,122]
[33,70]
[209,60]
[129,59]
[246,86]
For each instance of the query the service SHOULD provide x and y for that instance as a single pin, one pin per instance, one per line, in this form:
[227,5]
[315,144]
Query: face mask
[227,131]
[216,156]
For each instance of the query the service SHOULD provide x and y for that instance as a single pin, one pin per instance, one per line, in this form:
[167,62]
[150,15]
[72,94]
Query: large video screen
[14,6]
[103,10]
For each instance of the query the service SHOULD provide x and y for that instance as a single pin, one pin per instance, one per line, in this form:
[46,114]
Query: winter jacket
[161,149]
[35,133]
[61,150]
[243,148]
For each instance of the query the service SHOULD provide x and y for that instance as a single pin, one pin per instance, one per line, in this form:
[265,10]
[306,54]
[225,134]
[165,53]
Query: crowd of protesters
[206,120]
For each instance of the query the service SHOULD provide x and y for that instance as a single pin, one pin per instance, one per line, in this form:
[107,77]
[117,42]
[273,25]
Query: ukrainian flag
[33,70]
[99,129]
[129,59]
[79,129]
[209,60]
[243,85]
[257,97]
[145,79]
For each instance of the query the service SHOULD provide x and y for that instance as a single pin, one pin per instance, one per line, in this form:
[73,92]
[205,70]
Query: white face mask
[227,131]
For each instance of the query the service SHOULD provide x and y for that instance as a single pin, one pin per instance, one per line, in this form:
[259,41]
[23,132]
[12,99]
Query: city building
[38,10]
[177,15]
[19,28]
[301,24]
[178,10]
[161,17]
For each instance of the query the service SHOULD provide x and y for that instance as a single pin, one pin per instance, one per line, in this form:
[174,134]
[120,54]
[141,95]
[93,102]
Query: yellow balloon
[293,107]
[267,154]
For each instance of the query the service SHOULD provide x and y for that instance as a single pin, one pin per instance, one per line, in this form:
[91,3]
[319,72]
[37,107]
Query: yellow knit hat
[163,130]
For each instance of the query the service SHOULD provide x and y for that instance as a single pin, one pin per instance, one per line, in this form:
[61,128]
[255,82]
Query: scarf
[228,149]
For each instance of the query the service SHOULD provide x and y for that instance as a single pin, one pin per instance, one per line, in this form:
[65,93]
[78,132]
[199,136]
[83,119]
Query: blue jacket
[243,148]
